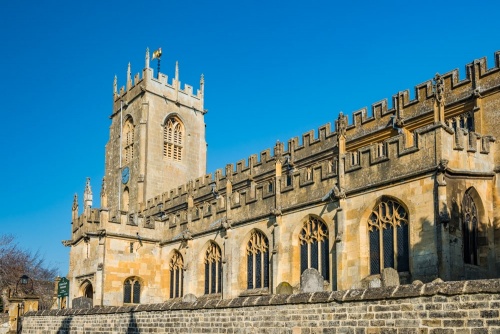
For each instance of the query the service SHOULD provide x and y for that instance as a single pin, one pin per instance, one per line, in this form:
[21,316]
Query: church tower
[157,138]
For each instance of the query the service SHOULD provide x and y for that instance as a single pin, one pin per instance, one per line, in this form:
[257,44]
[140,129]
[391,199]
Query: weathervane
[157,55]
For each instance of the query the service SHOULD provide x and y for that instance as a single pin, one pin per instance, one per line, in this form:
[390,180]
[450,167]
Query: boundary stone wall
[438,307]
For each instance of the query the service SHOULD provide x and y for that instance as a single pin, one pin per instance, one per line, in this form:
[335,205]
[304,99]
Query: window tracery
[257,261]
[176,275]
[388,237]
[213,269]
[314,247]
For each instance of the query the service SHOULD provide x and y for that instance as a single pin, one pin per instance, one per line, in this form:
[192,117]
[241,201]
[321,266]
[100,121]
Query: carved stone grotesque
[341,124]
[439,88]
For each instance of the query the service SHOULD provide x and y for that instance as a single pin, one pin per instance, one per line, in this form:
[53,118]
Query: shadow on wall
[132,325]
[65,326]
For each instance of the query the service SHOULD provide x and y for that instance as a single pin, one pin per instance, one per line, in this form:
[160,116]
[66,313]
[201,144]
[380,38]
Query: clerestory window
[463,121]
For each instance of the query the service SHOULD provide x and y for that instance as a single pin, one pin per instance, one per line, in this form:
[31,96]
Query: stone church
[414,187]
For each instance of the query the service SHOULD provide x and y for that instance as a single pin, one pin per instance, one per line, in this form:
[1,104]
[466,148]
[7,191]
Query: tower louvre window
[388,237]
[128,141]
[173,134]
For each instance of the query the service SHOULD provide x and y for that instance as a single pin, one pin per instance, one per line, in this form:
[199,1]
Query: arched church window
[132,291]
[314,246]
[128,140]
[176,275]
[388,235]
[213,269]
[173,134]
[470,230]
[257,261]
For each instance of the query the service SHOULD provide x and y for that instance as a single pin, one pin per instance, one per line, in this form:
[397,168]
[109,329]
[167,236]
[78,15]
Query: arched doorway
[88,290]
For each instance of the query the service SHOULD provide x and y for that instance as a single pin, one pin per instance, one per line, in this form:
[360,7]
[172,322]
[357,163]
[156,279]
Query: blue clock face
[125,175]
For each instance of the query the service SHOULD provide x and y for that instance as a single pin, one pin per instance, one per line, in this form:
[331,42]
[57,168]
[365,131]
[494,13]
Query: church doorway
[88,291]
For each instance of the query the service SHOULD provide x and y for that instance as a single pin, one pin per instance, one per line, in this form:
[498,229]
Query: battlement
[158,85]
[376,146]
[88,222]
[478,82]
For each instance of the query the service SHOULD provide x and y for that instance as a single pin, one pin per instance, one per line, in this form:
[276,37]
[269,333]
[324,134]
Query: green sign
[63,287]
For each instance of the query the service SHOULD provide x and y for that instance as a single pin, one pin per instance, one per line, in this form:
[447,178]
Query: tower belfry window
[173,136]
[128,141]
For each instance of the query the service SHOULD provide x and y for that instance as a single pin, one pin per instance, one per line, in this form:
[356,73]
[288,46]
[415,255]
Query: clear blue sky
[273,70]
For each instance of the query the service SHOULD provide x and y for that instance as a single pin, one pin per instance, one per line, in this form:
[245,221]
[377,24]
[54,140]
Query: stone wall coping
[353,295]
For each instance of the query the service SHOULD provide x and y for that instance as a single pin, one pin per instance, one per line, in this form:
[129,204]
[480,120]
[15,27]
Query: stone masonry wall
[446,307]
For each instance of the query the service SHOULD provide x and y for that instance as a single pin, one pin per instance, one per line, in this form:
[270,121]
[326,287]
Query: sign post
[63,291]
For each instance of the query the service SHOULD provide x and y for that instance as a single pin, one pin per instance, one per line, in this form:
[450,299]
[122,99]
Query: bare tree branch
[15,262]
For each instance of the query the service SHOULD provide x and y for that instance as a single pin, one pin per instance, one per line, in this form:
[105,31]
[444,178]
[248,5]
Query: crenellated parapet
[442,122]
[447,92]
[89,222]
[161,85]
